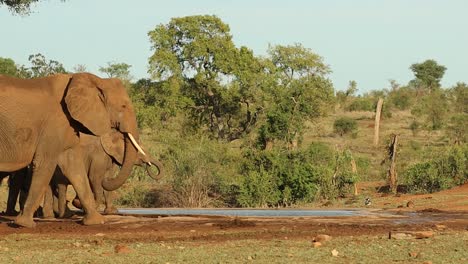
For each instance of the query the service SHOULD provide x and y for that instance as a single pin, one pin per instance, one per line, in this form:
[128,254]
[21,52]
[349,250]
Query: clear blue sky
[369,41]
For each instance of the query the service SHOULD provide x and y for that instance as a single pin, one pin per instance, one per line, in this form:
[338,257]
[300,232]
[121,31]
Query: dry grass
[361,144]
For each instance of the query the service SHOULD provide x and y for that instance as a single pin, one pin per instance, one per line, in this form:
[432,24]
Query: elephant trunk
[155,163]
[129,159]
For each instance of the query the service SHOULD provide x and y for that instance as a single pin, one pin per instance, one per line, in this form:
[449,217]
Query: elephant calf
[102,156]
[18,185]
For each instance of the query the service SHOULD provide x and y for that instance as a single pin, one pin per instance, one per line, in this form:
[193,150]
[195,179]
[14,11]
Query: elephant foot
[25,221]
[48,215]
[111,210]
[11,213]
[93,219]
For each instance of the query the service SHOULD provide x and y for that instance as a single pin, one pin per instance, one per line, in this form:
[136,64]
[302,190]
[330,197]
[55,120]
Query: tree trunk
[392,174]
[354,170]
[377,121]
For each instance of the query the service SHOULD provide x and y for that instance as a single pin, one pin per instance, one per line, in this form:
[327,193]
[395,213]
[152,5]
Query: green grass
[443,248]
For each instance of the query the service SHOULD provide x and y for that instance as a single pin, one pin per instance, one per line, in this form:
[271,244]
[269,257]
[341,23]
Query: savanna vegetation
[237,129]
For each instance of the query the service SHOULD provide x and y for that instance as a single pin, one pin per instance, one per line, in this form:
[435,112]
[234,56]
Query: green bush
[415,126]
[259,189]
[446,170]
[361,104]
[344,125]
[280,177]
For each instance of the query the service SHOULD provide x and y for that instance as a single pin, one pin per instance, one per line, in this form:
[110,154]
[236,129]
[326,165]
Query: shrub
[361,104]
[279,177]
[344,125]
[259,189]
[446,170]
[415,126]
[457,129]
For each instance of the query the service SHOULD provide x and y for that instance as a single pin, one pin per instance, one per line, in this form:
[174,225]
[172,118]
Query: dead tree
[378,111]
[354,170]
[391,156]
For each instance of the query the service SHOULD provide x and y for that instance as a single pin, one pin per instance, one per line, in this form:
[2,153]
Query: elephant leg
[14,185]
[109,196]
[41,177]
[72,165]
[62,199]
[48,206]
[110,208]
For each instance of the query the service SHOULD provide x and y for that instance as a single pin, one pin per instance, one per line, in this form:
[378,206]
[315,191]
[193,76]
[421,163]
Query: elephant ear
[85,103]
[114,145]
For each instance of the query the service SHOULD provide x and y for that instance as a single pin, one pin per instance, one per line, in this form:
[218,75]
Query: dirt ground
[446,210]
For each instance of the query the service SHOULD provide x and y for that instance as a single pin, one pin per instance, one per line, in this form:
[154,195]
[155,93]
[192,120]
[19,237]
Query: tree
[434,107]
[342,96]
[302,92]
[40,67]
[79,68]
[459,98]
[198,53]
[117,70]
[21,7]
[8,67]
[428,75]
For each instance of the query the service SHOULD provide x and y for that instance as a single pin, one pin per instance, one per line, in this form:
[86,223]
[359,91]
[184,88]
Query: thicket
[445,169]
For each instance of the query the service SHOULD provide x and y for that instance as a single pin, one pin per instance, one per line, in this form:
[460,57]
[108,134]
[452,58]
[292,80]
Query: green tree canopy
[302,92]
[21,7]
[117,70]
[8,67]
[40,67]
[198,55]
[428,74]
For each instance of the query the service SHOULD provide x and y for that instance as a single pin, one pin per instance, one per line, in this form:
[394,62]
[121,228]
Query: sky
[368,41]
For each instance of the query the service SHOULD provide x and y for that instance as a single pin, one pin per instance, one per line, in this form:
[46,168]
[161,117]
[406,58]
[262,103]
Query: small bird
[367,201]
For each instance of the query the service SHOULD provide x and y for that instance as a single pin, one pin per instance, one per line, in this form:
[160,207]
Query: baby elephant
[102,156]
[18,185]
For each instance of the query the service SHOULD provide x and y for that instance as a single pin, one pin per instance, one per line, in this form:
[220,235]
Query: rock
[440,227]
[77,244]
[427,262]
[249,258]
[121,248]
[322,238]
[316,244]
[413,254]
[99,234]
[334,253]
[399,236]
[410,204]
[424,234]
[410,234]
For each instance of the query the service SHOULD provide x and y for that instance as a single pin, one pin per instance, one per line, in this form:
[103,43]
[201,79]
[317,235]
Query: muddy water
[243,212]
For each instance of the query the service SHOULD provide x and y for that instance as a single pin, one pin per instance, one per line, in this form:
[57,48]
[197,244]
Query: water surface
[241,212]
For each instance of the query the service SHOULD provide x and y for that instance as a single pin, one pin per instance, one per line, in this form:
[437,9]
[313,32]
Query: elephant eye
[124,106]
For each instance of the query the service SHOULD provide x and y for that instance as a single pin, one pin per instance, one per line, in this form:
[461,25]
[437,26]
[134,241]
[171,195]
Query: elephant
[102,156]
[18,185]
[40,123]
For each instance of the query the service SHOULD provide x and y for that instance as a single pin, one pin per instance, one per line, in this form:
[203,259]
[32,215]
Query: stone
[334,253]
[316,244]
[121,248]
[322,238]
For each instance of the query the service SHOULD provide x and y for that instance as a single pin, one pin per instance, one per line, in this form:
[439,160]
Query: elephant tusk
[136,144]
[149,163]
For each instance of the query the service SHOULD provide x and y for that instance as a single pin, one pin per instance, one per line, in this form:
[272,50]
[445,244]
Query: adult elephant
[40,121]
[102,155]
